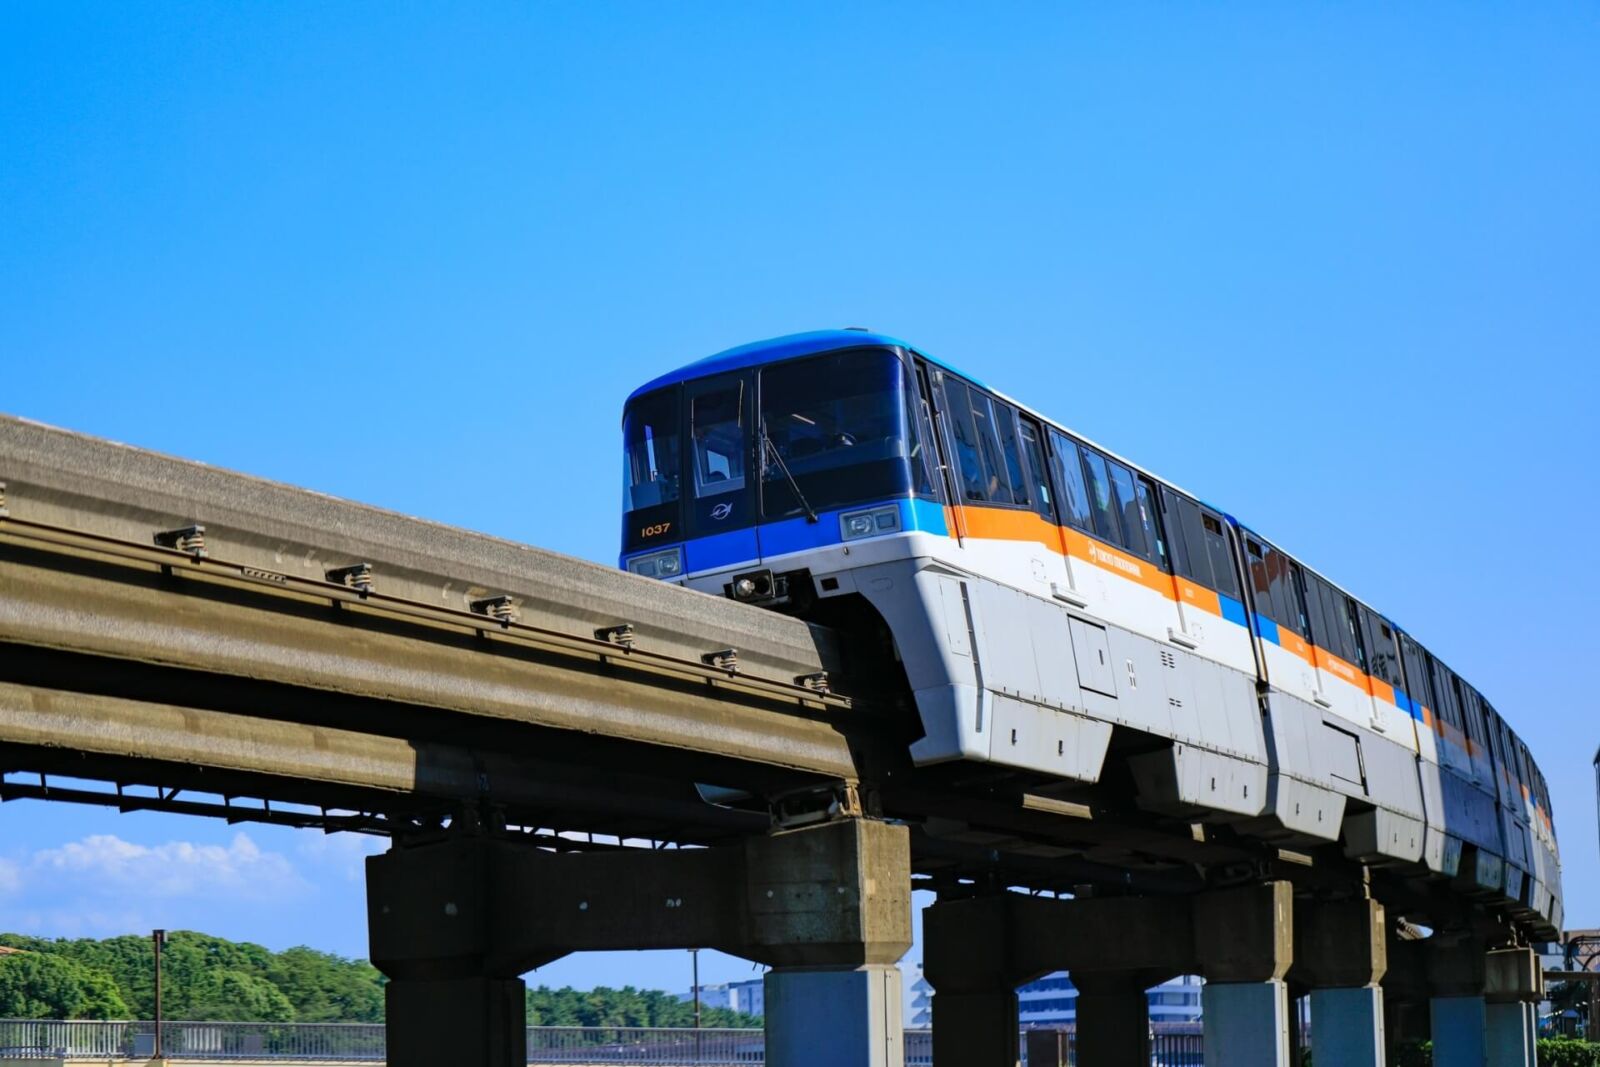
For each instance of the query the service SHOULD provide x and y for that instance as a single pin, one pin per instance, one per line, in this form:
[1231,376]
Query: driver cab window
[718,434]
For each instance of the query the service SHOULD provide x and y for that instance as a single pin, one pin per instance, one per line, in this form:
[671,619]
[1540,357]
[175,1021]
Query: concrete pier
[455,922]
[1513,987]
[1456,963]
[1113,1018]
[1341,955]
[1244,944]
[979,949]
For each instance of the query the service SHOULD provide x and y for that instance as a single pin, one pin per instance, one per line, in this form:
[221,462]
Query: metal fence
[364,1043]
[644,1045]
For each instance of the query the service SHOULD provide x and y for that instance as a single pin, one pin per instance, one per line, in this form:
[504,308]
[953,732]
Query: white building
[748,996]
[1053,1001]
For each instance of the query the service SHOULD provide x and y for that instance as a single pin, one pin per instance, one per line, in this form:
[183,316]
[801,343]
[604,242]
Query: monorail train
[1052,604]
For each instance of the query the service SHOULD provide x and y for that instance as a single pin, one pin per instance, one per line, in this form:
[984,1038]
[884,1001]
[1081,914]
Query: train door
[933,422]
[951,477]
[721,511]
[1050,567]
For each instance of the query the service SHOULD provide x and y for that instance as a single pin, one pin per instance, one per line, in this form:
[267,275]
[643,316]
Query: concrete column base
[1113,1021]
[470,1022]
[835,1018]
[976,1029]
[1246,1023]
[1459,1025]
[1347,1027]
[1510,1034]
[1047,1048]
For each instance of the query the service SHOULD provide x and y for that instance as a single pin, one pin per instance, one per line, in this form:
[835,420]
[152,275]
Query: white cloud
[343,853]
[106,865]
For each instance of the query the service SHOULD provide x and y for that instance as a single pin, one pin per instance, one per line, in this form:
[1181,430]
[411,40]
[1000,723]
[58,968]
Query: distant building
[749,996]
[1053,1001]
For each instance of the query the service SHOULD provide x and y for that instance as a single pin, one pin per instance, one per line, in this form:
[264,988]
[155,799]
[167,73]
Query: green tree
[237,996]
[40,986]
[328,988]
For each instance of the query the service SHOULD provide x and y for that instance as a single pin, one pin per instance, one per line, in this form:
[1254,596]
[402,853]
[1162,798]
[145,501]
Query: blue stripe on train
[1267,629]
[1233,610]
[738,547]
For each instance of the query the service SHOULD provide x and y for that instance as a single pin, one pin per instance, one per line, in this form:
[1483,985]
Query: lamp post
[159,939]
[694,957]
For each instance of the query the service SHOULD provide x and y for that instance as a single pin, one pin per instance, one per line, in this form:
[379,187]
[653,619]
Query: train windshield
[838,430]
[651,466]
[707,457]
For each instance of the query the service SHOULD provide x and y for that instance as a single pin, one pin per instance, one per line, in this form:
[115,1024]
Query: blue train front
[748,470]
[1024,598]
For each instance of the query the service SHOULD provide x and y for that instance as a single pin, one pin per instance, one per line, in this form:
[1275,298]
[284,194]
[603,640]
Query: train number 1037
[655,531]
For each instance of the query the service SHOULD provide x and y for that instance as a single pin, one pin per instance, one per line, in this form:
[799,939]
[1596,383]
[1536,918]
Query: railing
[644,1045]
[1171,1046]
[288,1042]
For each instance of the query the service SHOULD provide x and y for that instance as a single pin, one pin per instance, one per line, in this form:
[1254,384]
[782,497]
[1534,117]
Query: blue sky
[1333,267]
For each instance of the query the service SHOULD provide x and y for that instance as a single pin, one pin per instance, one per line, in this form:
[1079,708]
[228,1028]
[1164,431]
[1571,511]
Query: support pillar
[1458,1031]
[1347,1027]
[469,1020]
[1509,1035]
[454,923]
[1244,939]
[818,1017]
[1513,987]
[1405,994]
[978,950]
[1048,1048]
[968,958]
[1341,953]
[1458,1011]
[1113,1019]
[976,1029]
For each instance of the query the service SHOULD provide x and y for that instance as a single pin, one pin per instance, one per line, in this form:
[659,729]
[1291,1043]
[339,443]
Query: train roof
[791,346]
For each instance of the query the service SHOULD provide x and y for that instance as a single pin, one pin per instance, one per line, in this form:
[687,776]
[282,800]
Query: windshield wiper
[770,449]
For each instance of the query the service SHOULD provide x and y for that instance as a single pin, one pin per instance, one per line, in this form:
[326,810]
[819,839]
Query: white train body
[1047,598]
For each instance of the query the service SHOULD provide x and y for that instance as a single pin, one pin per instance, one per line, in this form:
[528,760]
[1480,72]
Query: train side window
[1352,629]
[1443,693]
[1291,585]
[1069,478]
[1219,546]
[1175,513]
[1005,424]
[996,480]
[1136,532]
[1317,611]
[964,438]
[1153,527]
[1384,658]
[1101,504]
[925,452]
[1033,449]
[1471,713]
[1274,577]
[1416,674]
[716,427]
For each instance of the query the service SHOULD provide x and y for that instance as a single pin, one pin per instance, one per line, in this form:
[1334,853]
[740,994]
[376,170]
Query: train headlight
[664,564]
[857,524]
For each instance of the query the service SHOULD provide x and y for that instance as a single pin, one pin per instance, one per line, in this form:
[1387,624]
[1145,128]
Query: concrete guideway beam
[978,950]
[101,487]
[828,906]
[224,626]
